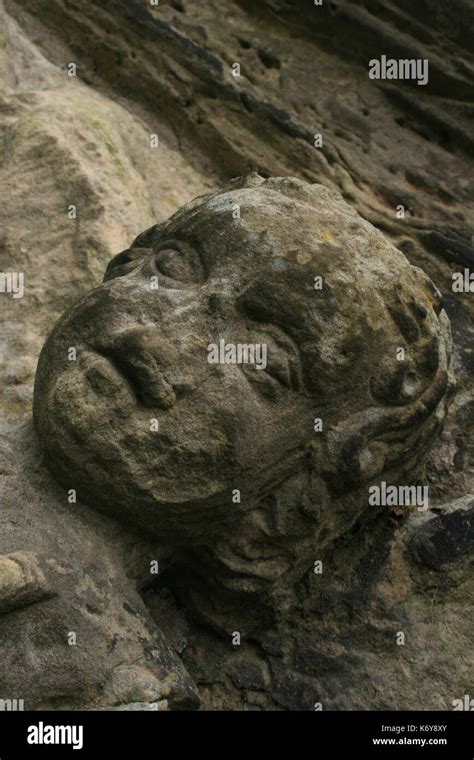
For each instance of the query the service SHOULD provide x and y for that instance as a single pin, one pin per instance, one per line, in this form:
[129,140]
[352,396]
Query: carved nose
[147,363]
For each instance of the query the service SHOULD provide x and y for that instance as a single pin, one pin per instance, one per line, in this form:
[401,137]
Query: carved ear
[354,453]
[22,581]
[363,446]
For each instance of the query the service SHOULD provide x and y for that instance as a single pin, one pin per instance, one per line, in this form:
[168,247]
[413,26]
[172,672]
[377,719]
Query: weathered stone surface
[74,630]
[448,537]
[86,141]
[64,144]
[142,355]
[21,581]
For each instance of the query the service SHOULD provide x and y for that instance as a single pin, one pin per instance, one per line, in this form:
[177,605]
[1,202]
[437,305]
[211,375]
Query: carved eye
[179,263]
[282,366]
[267,381]
[125,262]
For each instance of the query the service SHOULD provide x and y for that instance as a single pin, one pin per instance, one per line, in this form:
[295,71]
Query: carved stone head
[264,335]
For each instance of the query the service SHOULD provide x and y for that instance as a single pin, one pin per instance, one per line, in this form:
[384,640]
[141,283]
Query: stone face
[141,347]
[141,343]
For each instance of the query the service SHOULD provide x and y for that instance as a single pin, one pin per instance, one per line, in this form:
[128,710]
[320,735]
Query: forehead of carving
[266,223]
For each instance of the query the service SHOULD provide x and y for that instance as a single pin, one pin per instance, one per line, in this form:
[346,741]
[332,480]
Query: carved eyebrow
[129,256]
[182,235]
[272,305]
[184,246]
[289,345]
[191,252]
[281,336]
[138,253]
